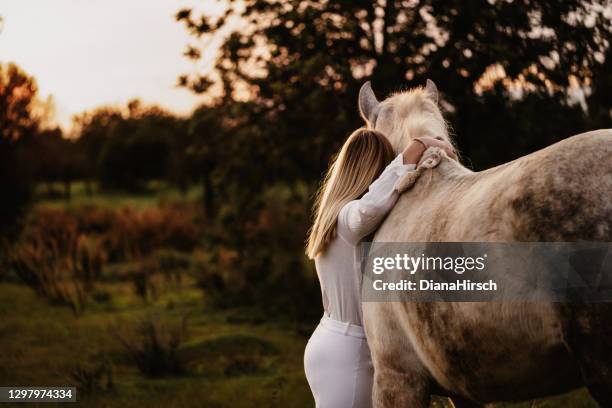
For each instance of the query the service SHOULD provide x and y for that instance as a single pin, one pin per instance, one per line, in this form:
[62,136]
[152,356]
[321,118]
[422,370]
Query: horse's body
[485,352]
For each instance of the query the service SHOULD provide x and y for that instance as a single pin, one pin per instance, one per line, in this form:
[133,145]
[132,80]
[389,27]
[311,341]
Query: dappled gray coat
[484,352]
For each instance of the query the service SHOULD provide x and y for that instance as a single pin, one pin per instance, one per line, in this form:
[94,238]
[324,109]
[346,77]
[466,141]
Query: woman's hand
[412,154]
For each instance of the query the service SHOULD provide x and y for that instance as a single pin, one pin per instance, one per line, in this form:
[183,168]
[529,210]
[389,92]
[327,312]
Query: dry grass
[154,346]
[61,253]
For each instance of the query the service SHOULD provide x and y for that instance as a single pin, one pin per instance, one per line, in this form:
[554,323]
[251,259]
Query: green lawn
[232,359]
[155,193]
[42,345]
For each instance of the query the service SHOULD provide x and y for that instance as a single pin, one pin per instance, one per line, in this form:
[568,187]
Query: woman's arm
[412,154]
[360,217]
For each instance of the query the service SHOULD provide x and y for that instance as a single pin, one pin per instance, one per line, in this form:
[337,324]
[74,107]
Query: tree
[93,129]
[305,60]
[125,148]
[54,158]
[18,93]
[286,79]
[600,99]
[203,153]
[18,123]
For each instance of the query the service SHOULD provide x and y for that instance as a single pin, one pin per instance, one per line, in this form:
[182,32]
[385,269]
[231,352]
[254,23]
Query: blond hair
[360,161]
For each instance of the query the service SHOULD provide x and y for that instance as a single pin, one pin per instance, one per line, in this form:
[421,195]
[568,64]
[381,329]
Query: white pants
[338,365]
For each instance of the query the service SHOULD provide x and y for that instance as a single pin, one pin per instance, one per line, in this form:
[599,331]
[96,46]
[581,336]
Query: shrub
[87,261]
[61,253]
[93,378]
[55,260]
[154,346]
[259,259]
[137,234]
[141,274]
[94,219]
[214,273]
[172,264]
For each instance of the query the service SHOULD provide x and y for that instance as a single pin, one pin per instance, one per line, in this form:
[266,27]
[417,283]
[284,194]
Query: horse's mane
[415,115]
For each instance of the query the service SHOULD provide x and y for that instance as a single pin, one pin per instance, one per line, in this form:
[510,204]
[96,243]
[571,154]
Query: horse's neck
[445,176]
[452,168]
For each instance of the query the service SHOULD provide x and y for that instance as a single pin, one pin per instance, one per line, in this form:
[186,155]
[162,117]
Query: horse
[483,352]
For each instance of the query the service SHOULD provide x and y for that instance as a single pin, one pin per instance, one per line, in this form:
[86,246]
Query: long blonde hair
[360,161]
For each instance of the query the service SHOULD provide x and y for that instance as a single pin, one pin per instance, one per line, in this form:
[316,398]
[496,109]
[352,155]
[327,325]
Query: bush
[154,346]
[141,274]
[55,260]
[221,284]
[137,234]
[172,264]
[61,253]
[259,259]
[248,256]
[94,219]
[140,280]
[93,378]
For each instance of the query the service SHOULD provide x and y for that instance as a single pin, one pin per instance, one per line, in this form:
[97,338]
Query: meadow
[114,294]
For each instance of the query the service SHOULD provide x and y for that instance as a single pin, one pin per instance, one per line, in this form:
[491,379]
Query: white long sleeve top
[338,267]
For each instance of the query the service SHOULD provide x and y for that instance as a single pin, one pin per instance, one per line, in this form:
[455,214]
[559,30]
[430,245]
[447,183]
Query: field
[165,345]
[231,359]
[154,193]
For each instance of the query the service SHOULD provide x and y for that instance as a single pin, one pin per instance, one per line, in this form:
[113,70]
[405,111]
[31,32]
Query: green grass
[155,193]
[231,363]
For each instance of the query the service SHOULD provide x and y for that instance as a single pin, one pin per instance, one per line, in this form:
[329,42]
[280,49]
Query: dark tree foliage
[18,123]
[93,129]
[600,100]
[204,151]
[125,149]
[54,159]
[304,61]
[287,76]
[18,93]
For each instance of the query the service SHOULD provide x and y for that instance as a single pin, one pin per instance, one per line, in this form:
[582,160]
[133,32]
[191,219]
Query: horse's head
[404,115]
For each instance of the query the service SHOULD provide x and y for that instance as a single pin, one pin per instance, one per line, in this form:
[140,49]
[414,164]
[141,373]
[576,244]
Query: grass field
[231,361]
[230,357]
[234,359]
[155,193]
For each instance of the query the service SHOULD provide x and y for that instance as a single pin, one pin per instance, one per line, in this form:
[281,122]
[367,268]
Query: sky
[87,53]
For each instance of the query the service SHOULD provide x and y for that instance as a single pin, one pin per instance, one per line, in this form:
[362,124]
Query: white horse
[478,353]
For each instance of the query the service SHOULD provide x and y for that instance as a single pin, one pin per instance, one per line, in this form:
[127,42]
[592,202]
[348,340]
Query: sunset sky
[94,52]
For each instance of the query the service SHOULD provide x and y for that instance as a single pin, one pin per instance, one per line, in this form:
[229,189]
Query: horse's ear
[368,104]
[432,90]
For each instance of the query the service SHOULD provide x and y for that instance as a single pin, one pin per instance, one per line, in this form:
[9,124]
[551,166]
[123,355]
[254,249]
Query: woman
[337,358]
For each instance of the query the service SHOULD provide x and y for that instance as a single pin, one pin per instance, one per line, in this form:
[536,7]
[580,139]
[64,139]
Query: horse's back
[560,193]
[564,192]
